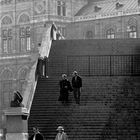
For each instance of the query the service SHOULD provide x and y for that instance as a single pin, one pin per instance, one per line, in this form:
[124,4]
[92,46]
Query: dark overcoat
[39,136]
[77,83]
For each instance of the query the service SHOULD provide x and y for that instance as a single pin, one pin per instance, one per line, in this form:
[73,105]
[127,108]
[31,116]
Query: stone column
[16,124]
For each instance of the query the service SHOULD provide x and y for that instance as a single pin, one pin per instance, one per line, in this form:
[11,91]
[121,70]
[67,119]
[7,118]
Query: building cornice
[8,2]
[107,15]
[108,1]
[46,17]
[14,57]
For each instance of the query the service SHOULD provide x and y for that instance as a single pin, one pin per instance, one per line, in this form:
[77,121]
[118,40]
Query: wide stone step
[85,120]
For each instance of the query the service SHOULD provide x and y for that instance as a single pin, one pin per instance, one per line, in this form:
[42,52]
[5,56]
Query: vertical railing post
[110,65]
[47,65]
[67,66]
[89,57]
[132,63]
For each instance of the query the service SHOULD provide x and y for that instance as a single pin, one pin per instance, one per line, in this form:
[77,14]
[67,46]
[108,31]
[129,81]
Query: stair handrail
[44,51]
[30,86]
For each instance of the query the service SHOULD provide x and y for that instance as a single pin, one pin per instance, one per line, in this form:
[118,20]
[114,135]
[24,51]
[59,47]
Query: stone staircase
[90,119]
[81,122]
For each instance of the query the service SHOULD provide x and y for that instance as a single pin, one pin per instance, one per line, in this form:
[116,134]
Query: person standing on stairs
[45,67]
[76,85]
[61,135]
[65,87]
[39,67]
[37,135]
[42,65]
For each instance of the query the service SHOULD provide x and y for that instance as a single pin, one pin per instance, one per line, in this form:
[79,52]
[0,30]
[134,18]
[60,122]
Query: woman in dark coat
[65,87]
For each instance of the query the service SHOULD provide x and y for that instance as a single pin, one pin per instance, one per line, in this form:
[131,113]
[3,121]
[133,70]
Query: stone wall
[65,55]
[119,94]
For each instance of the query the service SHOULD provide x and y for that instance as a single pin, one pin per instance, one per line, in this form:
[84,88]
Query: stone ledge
[17,136]
[16,111]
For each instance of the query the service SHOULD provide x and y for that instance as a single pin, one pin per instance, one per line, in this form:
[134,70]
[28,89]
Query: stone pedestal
[16,136]
[16,124]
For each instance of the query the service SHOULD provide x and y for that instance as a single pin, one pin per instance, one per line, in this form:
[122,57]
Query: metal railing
[105,65]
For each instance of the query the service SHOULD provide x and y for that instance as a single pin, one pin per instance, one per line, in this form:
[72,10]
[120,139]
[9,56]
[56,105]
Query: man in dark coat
[45,66]
[65,87]
[37,135]
[76,84]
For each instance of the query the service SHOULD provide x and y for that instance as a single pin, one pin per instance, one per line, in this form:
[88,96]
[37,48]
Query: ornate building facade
[22,23]
[108,19]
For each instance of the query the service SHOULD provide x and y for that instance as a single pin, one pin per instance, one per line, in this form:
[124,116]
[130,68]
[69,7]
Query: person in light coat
[61,135]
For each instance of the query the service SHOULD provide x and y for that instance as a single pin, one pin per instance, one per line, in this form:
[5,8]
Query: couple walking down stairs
[81,122]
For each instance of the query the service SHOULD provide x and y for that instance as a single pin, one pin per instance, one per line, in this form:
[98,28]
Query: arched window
[24,18]
[22,76]
[6,20]
[110,34]
[61,8]
[6,75]
[89,35]
[132,32]
[6,40]
[6,83]
[6,35]
[24,33]
[25,40]
[132,27]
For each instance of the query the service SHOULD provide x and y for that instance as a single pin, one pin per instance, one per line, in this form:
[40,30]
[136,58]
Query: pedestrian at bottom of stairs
[61,135]
[37,135]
